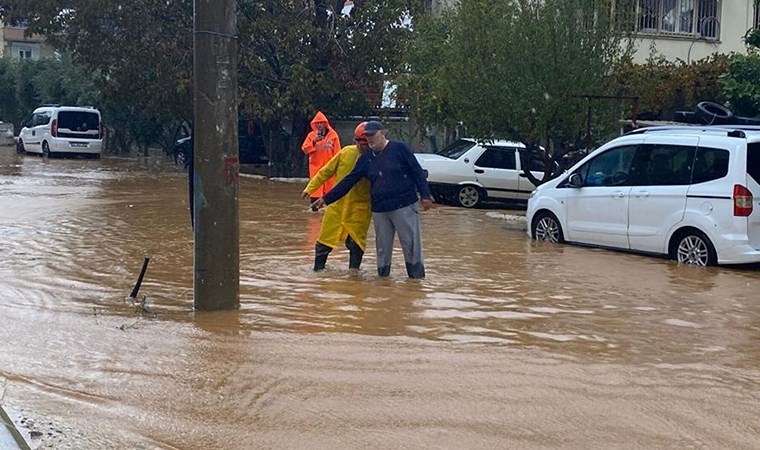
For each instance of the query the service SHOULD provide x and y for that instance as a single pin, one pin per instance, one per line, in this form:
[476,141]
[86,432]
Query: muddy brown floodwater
[507,343]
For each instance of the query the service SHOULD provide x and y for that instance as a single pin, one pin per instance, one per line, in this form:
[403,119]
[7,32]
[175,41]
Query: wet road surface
[507,343]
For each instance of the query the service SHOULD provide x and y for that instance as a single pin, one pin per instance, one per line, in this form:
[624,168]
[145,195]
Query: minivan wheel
[45,149]
[469,197]
[546,227]
[20,147]
[694,248]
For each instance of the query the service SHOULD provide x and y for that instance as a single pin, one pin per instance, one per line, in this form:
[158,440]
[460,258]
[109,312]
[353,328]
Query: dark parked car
[250,142]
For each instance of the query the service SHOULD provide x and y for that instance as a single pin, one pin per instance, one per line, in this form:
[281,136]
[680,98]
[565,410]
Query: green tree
[24,85]
[296,57]
[741,83]
[139,54]
[516,69]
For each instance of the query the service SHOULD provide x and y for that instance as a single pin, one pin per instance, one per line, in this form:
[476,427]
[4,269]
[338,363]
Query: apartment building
[14,44]
[680,29]
[692,29]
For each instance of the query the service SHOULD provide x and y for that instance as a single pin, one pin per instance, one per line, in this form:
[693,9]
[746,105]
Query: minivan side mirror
[574,181]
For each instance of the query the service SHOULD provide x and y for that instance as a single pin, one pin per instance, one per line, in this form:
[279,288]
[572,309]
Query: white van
[684,192]
[55,130]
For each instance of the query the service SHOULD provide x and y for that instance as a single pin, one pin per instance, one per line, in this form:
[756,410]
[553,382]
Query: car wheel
[694,248]
[20,147]
[546,227]
[469,196]
[45,149]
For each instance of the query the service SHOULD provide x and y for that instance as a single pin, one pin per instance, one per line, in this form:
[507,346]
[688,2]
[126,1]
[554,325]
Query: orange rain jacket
[320,151]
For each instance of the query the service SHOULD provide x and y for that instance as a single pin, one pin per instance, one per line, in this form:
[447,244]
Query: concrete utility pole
[215,156]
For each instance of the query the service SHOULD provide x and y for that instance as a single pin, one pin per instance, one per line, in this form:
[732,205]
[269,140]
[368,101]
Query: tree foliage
[741,82]
[515,69]
[296,57]
[664,86]
[24,85]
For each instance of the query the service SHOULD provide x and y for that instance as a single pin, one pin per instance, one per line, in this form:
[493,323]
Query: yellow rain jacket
[349,216]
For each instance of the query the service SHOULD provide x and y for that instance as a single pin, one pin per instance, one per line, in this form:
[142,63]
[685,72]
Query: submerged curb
[514,221]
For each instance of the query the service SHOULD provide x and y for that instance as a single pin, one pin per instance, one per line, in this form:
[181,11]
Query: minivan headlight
[532,194]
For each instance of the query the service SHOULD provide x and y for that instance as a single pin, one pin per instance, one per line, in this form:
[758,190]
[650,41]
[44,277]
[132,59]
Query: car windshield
[456,149]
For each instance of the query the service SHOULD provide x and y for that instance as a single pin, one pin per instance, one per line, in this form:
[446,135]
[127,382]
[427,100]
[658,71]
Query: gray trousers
[406,222]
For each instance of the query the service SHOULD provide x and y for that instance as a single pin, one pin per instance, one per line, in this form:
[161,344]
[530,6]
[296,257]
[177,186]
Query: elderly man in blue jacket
[396,179]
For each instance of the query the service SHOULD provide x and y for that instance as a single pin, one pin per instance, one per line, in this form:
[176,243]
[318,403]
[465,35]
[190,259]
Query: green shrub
[741,84]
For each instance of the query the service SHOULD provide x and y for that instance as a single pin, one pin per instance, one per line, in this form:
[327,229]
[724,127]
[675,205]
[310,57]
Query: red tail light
[742,201]
[54,128]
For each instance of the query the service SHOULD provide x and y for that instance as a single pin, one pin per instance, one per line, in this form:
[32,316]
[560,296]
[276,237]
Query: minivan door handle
[620,194]
[480,171]
[642,194]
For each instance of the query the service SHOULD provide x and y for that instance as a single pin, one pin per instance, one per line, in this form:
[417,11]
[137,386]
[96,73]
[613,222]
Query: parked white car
[62,129]
[468,172]
[684,192]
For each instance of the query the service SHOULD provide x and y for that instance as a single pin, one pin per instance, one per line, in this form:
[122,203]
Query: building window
[688,18]
[25,53]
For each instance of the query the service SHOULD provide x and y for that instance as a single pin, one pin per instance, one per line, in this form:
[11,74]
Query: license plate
[78,144]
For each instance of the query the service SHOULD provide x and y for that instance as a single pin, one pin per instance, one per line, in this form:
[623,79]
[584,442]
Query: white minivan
[684,192]
[55,130]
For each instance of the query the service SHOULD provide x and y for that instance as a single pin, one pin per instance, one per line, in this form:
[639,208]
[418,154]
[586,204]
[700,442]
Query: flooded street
[507,343]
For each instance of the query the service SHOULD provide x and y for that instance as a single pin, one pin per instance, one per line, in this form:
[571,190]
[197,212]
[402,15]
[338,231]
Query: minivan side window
[753,161]
[497,158]
[43,118]
[710,164]
[610,168]
[662,165]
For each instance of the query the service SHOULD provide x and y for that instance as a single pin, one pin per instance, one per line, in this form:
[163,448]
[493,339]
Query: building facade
[14,44]
[692,29]
[679,29]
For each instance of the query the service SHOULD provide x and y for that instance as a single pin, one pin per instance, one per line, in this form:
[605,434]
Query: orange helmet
[359,136]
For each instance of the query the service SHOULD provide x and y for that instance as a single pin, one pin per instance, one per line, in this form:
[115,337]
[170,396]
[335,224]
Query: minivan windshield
[456,149]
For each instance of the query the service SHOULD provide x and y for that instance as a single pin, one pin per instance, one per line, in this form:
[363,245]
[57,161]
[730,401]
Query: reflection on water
[507,343]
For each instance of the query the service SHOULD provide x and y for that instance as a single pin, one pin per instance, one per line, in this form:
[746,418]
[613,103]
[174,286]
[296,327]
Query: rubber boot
[321,252]
[355,254]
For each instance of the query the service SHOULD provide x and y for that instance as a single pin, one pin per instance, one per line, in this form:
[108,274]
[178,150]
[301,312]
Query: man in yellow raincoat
[348,218]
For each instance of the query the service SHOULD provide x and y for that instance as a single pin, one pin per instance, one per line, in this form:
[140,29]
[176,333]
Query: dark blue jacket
[394,174]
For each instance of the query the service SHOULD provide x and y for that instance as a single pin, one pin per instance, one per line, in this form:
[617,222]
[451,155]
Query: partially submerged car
[468,172]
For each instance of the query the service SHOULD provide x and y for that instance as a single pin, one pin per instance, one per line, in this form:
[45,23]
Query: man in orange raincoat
[321,144]
[347,219]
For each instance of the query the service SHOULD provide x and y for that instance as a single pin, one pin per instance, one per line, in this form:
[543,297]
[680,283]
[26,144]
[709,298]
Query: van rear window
[78,120]
[753,161]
